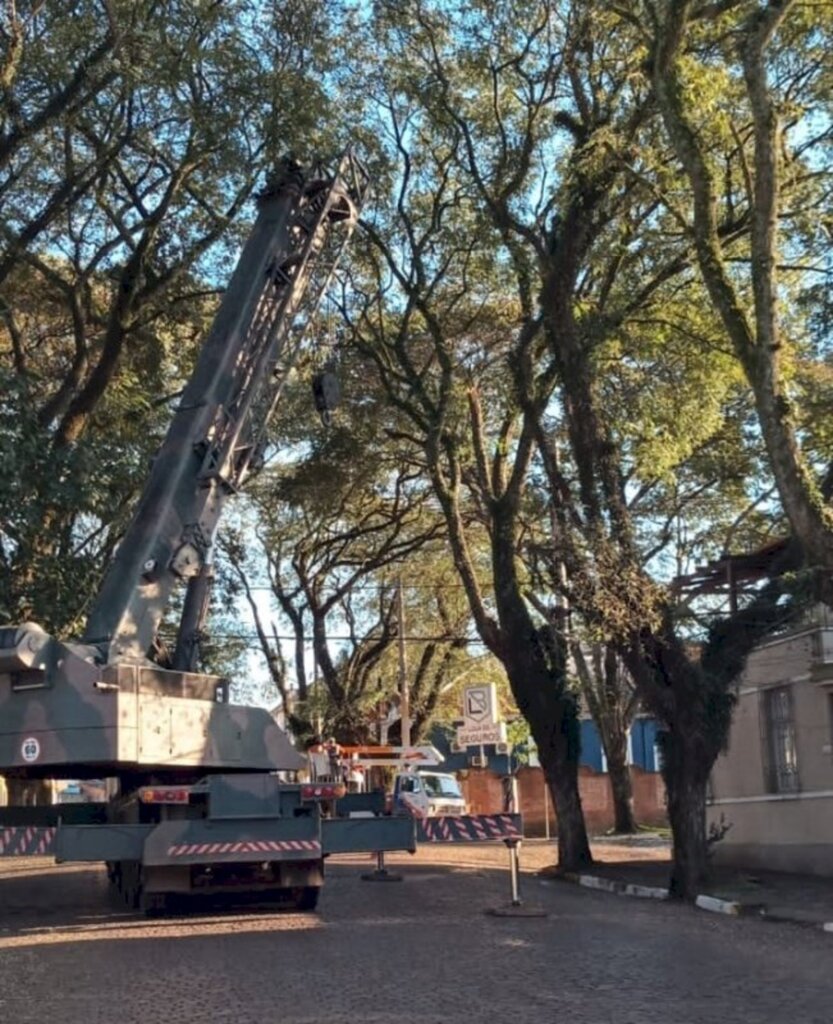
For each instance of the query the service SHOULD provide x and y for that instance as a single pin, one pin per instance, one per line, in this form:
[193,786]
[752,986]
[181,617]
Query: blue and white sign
[480,705]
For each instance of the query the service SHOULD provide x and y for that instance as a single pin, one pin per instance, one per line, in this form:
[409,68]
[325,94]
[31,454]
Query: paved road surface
[419,952]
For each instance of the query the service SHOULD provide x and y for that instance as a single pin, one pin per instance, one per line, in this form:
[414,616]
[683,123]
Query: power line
[388,586]
[405,639]
[217,637]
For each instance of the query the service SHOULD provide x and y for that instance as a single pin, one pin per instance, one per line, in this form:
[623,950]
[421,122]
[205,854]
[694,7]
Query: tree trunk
[573,845]
[561,773]
[624,822]
[535,662]
[686,786]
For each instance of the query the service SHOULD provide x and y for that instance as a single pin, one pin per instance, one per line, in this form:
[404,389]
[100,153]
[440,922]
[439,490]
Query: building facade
[772,791]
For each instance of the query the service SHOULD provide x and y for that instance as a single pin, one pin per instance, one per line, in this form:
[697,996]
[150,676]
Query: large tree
[744,89]
[332,568]
[528,156]
[442,333]
[133,134]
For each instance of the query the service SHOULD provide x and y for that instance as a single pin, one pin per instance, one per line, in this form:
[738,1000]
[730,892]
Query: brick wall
[483,790]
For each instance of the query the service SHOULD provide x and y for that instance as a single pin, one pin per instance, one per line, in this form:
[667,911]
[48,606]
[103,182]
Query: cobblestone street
[422,951]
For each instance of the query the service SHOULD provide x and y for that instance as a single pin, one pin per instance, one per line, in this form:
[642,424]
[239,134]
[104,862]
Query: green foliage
[543,401]
[132,136]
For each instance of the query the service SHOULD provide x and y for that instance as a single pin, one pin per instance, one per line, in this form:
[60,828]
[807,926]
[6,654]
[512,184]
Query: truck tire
[307,898]
[130,883]
[156,904]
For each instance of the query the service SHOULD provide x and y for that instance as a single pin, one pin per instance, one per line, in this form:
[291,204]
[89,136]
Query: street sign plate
[480,705]
[478,735]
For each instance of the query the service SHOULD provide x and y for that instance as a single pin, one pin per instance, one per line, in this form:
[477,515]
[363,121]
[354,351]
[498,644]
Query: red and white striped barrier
[470,828]
[26,841]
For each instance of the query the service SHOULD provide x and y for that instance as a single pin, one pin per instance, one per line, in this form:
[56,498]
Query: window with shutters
[779,737]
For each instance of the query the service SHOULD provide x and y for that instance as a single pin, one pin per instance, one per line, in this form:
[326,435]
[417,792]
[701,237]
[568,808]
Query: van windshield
[441,785]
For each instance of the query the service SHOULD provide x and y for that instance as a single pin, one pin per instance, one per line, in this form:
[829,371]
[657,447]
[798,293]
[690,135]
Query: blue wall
[591,745]
[643,737]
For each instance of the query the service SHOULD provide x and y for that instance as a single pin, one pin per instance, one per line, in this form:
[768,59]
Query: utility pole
[404,691]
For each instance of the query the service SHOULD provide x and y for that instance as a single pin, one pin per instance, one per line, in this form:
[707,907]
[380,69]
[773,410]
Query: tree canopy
[583,335]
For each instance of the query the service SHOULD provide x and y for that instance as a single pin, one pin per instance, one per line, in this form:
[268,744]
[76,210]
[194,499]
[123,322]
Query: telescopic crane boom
[199,807]
[103,705]
[304,220]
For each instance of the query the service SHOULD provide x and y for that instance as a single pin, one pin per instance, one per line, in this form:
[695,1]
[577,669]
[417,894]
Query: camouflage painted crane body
[102,706]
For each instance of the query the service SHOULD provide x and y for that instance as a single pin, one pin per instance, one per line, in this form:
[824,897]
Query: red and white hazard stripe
[462,830]
[26,841]
[469,828]
[309,846]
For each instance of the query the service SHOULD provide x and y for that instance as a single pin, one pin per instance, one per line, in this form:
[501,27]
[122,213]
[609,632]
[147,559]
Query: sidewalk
[643,862]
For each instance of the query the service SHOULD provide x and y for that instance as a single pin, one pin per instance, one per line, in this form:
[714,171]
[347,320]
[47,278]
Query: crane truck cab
[427,794]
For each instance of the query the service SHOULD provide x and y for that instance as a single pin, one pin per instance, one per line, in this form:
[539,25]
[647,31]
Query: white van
[428,794]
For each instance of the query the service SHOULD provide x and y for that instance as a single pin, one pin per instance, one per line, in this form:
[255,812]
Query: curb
[713,904]
[717,905]
[620,888]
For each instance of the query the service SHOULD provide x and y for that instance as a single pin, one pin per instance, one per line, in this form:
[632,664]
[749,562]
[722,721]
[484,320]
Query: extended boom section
[303,224]
[102,707]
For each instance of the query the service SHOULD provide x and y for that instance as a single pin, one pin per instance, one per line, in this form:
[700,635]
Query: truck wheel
[307,898]
[156,904]
[131,883]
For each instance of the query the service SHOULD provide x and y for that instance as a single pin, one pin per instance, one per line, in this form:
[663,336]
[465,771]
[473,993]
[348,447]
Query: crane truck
[201,802]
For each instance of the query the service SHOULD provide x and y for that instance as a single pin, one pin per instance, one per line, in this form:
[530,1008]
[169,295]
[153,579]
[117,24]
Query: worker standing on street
[318,760]
[334,755]
[355,775]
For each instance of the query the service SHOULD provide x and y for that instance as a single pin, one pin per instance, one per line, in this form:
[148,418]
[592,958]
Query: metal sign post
[404,688]
[516,907]
[514,872]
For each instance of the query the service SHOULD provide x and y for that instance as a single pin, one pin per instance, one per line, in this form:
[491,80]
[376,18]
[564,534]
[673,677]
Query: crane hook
[326,394]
